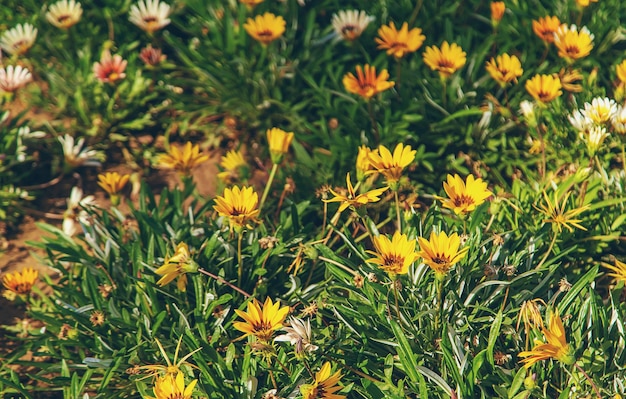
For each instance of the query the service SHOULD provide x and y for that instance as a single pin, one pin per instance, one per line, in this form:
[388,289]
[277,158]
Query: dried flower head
[96,318]
[298,333]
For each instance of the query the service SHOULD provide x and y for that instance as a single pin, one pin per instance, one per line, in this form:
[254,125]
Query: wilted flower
[556,214]
[232,163]
[530,315]
[12,78]
[75,155]
[399,42]
[97,318]
[75,213]
[394,256]
[352,199]
[546,27]
[239,206]
[182,161]
[265,28]
[497,11]
[298,334]
[367,84]
[325,385]
[446,60]
[556,346]
[150,15]
[391,165]
[279,142]
[594,138]
[261,321]
[152,56]
[544,88]
[170,387]
[177,265]
[572,43]
[64,14]
[441,252]
[464,197]
[349,24]
[110,69]
[19,39]
[505,68]
[113,183]
[22,282]
[568,78]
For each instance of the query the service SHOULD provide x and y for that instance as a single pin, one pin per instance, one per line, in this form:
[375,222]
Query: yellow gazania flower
[21,282]
[441,252]
[251,3]
[572,43]
[261,321]
[585,3]
[178,265]
[265,28]
[530,314]
[279,142]
[394,256]
[558,216]
[170,387]
[325,385]
[113,183]
[464,197]
[182,161]
[619,271]
[239,205]
[352,199]
[367,84]
[399,43]
[392,165]
[447,59]
[544,88]
[232,162]
[505,68]
[546,27]
[171,368]
[620,69]
[556,346]
[363,164]
[497,11]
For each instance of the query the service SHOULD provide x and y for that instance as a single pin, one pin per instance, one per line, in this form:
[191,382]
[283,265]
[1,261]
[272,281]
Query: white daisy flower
[150,15]
[75,155]
[601,110]
[580,121]
[298,334]
[19,39]
[594,139]
[64,13]
[349,24]
[619,120]
[13,78]
[75,213]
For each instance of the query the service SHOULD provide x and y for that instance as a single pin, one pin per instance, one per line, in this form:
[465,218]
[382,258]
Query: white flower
[75,155]
[349,24]
[19,39]
[601,110]
[12,78]
[298,334]
[64,13]
[594,138]
[527,108]
[76,213]
[619,120]
[580,121]
[150,15]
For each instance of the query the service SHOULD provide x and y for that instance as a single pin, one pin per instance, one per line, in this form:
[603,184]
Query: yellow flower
[620,69]
[171,368]
[497,11]
[394,256]
[352,199]
[546,27]
[367,84]
[505,68]
[544,88]
[441,252]
[325,385]
[20,282]
[113,183]
[239,205]
[392,165]
[619,271]
[572,43]
[399,43]
[173,387]
[177,266]
[558,216]
[279,142]
[363,164]
[251,3]
[556,346]
[265,28]
[232,163]
[182,161]
[261,321]
[446,60]
[585,3]
[464,197]
[530,314]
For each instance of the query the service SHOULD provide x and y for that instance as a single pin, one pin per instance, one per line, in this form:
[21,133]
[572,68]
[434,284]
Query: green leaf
[494,333]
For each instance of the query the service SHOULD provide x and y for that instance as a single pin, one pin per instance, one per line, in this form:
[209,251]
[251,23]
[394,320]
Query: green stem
[593,385]
[222,281]
[370,110]
[548,252]
[395,295]
[398,219]
[239,258]
[439,314]
[398,73]
[268,185]
[415,12]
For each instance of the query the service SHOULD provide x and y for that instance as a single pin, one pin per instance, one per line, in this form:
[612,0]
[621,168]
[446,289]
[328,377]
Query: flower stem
[370,110]
[398,219]
[268,185]
[439,314]
[239,258]
[548,252]
[395,295]
[415,12]
[593,385]
[222,281]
